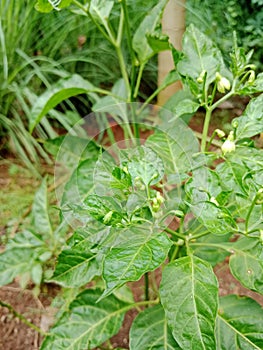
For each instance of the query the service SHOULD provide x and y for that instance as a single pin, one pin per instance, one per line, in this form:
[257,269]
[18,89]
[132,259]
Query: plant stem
[198,235]
[123,70]
[175,233]
[249,213]
[175,252]
[129,43]
[22,318]
[205,128]
[138,82]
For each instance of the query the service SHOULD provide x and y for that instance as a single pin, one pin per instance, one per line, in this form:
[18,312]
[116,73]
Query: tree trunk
[173,24]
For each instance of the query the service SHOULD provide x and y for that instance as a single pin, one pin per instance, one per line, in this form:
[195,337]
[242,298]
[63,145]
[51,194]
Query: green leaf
[250,123]
[48,5]
[186,106]
[136,251]
[169,79]
[63,89]
[146,28]
[100,10]
[175,144]
[200,54]
[144,164]
[239,324]
[246,263]
[158,42]
[75,268]
[21,255]
[149,330]
[189,295]
[40,217]
[87,323]
[71,150]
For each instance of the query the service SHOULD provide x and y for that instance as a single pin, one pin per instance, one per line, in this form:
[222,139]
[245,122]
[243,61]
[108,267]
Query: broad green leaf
[63,89]
[40,217]
[189,295]
[71,150]
[145,165]
[149,330]
[158,42]
[104,209]
[49,5]
[203,190]
[75,268]
[136,251]
[100,10]
[232,176]
[246,263]
[169,79]
[87,323]
[175,144]
[200,54]
[186,106]
[146,28]
[174,101]
[80,184]
[21,255]
[239,324]
[250,123]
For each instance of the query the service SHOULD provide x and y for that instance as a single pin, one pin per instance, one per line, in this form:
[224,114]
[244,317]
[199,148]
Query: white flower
[228,146]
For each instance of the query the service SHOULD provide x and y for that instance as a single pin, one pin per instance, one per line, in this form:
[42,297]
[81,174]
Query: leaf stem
[175,233]
[22,318]
[138,82]
[249,213]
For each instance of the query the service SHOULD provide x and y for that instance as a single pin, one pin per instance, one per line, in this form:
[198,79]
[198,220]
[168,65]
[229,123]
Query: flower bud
[213,200]
[223,83]
[201,77]
[259,198]
[107,217]
[228,147]
[220,133]
[251,78]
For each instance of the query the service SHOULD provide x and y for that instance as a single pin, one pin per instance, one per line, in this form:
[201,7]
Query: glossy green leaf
[158,42]
[63,89]
[75,268]
[175,144]
[137,250]
[200,54]
[239,324]
[250,123]
[145,165]
[203,190]
[246,263]
[40,216]
[149,330]
[189,295]
[185,106]
[148,25]
[86,324]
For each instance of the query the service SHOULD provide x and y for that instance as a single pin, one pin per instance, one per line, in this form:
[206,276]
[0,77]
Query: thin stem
[129,42]
[175,252]
[175,233]
[249,213]
[138,82]
[22,318]
[198,235]
[123,70]
[205,128]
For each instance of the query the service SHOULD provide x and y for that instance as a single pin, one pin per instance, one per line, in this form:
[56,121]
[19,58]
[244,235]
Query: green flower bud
[107,217]
[220,133]
[223,83]
[259,198]
[252,77]
[201,77]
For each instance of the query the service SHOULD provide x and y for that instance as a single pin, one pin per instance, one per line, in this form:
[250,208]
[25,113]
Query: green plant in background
[168,204]
[222,18]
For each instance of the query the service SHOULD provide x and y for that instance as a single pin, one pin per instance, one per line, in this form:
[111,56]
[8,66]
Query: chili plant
[163,203]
